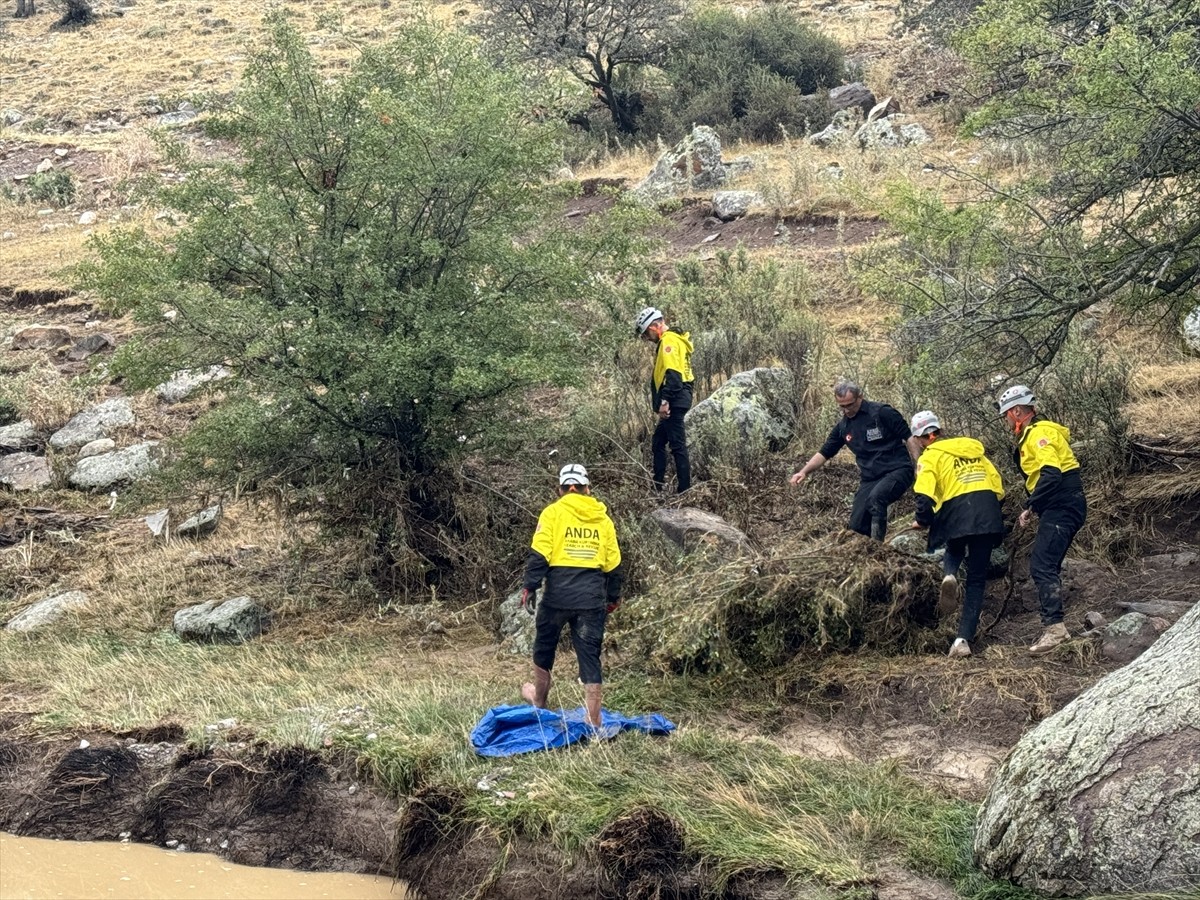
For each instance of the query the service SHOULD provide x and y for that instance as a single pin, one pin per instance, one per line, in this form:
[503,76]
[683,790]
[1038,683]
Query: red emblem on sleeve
[668,349]
[1043,442]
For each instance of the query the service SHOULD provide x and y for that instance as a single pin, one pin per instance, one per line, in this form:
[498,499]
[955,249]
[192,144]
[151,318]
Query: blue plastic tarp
[510,730]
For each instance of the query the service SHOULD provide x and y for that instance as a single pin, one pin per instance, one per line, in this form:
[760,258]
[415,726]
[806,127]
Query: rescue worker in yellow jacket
[958,499]
[575,551]
[1056,497]
[670,395]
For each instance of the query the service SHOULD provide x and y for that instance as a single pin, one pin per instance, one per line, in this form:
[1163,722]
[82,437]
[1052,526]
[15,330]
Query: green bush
[755,74]
[55,186]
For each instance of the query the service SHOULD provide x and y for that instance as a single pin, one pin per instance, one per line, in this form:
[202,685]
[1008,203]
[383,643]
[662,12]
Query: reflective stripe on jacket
[575,550]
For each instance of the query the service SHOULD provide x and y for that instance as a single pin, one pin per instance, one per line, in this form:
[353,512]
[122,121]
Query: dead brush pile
[1164,417]
[837,593]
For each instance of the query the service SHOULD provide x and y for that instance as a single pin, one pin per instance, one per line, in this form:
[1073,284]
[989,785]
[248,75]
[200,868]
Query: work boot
[1051,638]
[959,648]
[948,597]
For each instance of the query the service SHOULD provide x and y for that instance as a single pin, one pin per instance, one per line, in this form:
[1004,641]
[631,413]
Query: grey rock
[47,612]
[12,117]
[157,522]
[852,96]
[912,134]
[25,472]
[97,473]
[837,131]
[88,217]
[887,107]
[97,447]
[41,337]
[186,382]
[1190,330]
[692,164]
[18,436]
[880,133]
[202,523]
[752,412]
[181,116]
[728,205]
[1104,796]
[516,625]
[232,621]
[739,166]
[1127,638]
[93,343]
[93,423]
[691,528]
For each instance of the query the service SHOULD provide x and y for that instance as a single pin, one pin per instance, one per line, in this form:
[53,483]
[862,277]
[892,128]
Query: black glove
[529,601]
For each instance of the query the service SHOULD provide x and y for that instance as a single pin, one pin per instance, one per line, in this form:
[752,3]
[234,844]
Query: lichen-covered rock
[97,447]
[1190,330]
[837,131]
[186,382]
[47,612]
[752,412]
[25,472]
[729,205]
[93,343]
[692,164]
[1130,636]
[93,423]
[1104,796]
[232,621]
[18,436]
[516,625]
[97,473]
[202,523]
[691,528]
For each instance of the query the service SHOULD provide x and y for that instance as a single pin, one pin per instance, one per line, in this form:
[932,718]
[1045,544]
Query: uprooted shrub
[836,594]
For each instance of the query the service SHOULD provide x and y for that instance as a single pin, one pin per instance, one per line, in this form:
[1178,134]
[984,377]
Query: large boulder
[752,412]
[837,131]
[232,621]
[93,343]
[692,164]
[93,423]
[1104,796]
[47,612]
[730,205]
[25,472]
[691,528]
[106,471]
[852,96]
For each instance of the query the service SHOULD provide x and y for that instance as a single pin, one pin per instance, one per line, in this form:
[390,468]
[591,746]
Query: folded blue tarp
[509,730]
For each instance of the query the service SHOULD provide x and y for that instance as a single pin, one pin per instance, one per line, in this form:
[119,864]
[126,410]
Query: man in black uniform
[878,436]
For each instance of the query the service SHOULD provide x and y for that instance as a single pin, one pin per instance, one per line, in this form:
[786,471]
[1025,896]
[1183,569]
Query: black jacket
[876,436]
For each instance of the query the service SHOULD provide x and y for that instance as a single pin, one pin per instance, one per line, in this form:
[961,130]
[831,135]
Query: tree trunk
[1104,796]
[25,8]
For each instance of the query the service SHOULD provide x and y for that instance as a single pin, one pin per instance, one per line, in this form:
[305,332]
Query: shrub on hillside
[379,268]
[757,75]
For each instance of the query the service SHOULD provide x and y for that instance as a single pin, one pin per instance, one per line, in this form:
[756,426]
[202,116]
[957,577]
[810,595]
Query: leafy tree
[752,71]
[1107,97]
[380,267]
[599,42]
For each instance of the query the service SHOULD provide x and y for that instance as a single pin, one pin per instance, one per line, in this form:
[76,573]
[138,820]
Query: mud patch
[281,807]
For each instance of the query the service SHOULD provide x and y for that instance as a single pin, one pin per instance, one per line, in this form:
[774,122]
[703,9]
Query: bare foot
[529,693]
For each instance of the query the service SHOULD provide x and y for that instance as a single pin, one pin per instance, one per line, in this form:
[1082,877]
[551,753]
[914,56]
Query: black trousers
[1057,527]
[977,550]
[670,433]
[869,515]
[587,636]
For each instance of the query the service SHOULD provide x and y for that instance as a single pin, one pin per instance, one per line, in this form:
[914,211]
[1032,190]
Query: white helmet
[1017,395]
[646,317]
[924,422]
[572,473]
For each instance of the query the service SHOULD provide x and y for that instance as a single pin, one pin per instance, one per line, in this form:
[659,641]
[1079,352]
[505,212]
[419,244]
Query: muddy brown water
[36,868]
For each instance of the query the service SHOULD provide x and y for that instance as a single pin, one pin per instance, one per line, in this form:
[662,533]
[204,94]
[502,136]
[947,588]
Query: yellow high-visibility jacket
[1049,465]
[575,550]
[673,377]
[958,490]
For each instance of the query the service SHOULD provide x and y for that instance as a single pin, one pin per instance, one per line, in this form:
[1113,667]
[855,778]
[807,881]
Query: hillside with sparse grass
[826,746]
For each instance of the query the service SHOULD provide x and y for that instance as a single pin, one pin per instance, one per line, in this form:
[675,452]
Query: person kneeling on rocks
[1055,496]
[575,552]
[958,499]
